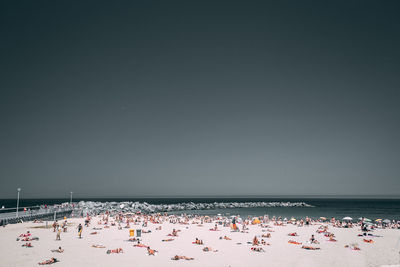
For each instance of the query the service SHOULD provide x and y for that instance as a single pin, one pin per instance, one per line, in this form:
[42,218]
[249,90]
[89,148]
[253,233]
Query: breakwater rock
[144,207]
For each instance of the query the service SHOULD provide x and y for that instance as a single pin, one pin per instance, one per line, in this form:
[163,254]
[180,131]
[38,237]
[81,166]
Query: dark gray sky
[145,98]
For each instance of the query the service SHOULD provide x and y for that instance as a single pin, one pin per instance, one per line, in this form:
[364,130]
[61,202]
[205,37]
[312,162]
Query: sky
[199,98]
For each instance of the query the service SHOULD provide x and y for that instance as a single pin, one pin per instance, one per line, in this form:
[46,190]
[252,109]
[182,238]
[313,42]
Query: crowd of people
[257,243]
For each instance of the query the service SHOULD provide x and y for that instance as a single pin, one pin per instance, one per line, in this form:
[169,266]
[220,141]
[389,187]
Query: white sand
[78,252]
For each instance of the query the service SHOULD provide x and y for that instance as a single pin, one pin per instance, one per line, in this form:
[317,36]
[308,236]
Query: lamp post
[18,190]
[70,201]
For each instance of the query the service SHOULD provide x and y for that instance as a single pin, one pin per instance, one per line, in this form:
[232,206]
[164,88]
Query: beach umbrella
[292,219]
[386,221]
[347,219]
[256,221]
[322,218]
[378,220]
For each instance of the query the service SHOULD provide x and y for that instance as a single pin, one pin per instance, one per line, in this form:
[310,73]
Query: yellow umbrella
[378,220]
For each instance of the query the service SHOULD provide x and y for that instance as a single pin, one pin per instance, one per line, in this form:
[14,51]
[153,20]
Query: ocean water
[338,208]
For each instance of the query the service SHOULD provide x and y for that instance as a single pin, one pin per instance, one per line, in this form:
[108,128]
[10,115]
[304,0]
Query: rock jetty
[91,207]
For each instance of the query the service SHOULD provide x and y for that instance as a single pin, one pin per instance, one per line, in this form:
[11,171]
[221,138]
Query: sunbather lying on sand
[168,240]
[258,249]
[294,242]
[369,235]
[266,235]
[94,233]
[59,250]
[322,230]
[174,233]
[198,242]
[310,248]
[293,234]
[51,261]
[140,245]
[332,239]
[352,247]
[25,235]
[98,246]
[117,250]
[225,237]
[28,239]
[368,240]
[327,234]
[207,249]
[151,252]
[27,245]
[176,257]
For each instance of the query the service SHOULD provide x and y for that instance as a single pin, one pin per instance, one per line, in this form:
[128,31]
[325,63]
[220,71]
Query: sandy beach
[234,252]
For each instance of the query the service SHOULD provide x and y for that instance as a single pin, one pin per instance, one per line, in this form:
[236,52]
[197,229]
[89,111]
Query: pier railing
[35,213]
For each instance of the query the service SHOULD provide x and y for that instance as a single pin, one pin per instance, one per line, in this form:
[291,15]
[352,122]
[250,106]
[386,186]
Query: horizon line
[347,196]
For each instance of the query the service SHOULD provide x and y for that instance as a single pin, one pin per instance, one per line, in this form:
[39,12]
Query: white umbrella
[347,219]
[386,221]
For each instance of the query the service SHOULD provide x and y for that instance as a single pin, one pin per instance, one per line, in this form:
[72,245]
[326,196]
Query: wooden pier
[50,213]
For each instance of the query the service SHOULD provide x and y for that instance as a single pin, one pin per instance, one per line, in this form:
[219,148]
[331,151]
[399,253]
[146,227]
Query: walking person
[80,228]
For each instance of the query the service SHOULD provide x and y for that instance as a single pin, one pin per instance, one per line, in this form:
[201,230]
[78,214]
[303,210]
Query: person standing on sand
[80,230]
[58,237]
[64,226]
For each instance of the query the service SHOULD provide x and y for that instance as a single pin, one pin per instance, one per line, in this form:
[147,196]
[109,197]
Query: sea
[322,207]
